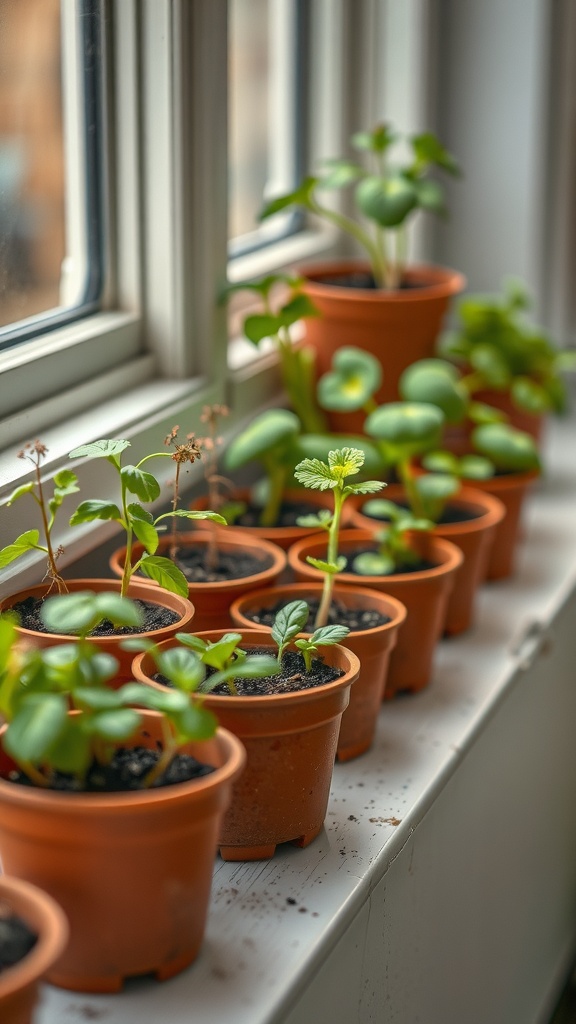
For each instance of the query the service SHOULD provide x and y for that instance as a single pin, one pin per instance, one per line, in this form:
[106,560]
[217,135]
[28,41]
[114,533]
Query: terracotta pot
[372,647]
[138,591]
[511,489]
[424,593]
[282,536]
[290,741]
[398,327]
[212,600]
[132,871]
[19,984]
[474,537]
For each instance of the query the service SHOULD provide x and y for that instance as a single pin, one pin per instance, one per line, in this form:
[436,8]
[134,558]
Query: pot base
[267,850]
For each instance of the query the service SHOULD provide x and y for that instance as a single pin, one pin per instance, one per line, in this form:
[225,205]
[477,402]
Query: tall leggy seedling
[332,475]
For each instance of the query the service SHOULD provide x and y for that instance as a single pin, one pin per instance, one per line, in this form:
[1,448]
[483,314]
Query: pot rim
[445,282]
[47,919]
[452,560]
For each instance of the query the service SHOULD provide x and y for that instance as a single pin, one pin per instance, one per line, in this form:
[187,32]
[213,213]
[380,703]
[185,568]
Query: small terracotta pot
[132,871]
[42,915]
[424,593]
[511,489]
[474,537]
[290,741]
[398,327]
[282,536]
[212,600]
[372,647]
[138,591]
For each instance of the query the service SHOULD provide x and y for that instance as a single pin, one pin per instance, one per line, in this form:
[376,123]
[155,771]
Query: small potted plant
[274,507]
[507,360]
[162,611]
[210,569]
[111,800]
[372,617]
[498,458]
[380,305]
[406,433]
[420,577]
[33,934]
[288,721]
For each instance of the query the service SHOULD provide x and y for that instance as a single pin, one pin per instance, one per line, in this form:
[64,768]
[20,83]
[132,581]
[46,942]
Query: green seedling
[64,482]
[291,620]
[332,475]
[133,517]
[267,440]
[224,657]
[352,381]
[495,444]
[39,688]
[395,550]
[275,322]
[386,194]
[502,351]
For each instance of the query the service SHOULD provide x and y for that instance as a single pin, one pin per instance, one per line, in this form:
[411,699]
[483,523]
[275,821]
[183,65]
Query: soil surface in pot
[290,512]
[231,565]
[292,677]
[16,938]
[155,617]
[124,773]
[363,279]
[339,614]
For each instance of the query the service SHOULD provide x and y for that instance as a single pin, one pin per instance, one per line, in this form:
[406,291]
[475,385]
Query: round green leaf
[266,432]
[408,428]
[508,448]
[387,200]
[354,378]
[435,381]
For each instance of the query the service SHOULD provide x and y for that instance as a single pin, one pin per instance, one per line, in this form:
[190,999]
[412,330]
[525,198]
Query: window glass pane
[45,164]
[266,40]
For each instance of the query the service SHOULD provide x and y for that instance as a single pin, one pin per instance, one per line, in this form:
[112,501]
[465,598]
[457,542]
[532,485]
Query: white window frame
[133,370]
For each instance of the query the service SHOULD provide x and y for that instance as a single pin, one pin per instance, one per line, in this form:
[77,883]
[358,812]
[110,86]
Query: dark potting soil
[155,617]
[124,773]
[290,511]
[292,677]
[231,565]
[339,614]
[16,938]
[362,279]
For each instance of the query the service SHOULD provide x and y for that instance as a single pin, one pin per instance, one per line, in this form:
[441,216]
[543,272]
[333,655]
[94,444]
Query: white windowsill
[261,953]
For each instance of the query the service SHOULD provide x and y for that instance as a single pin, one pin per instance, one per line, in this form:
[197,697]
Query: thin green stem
[408,479]
[351,228]
[332,558]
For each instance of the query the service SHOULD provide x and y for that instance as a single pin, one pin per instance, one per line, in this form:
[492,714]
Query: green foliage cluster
[501,350]
[40,687]
[387,193]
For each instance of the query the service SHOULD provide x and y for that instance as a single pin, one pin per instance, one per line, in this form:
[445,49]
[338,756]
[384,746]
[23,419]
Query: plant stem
[52,570]
[127,569]
[332,557]
[163,762]
[408,478]
[277,480]
[353,229]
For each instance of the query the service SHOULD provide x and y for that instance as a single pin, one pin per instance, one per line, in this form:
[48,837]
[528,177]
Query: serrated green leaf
[366,487]
[315,474]
[164,572]
[142,484]
[100,450]
[93,509]
[289,621]
[327,635]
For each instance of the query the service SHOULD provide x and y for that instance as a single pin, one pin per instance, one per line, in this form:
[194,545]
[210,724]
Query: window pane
[44,163]
[265,132]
